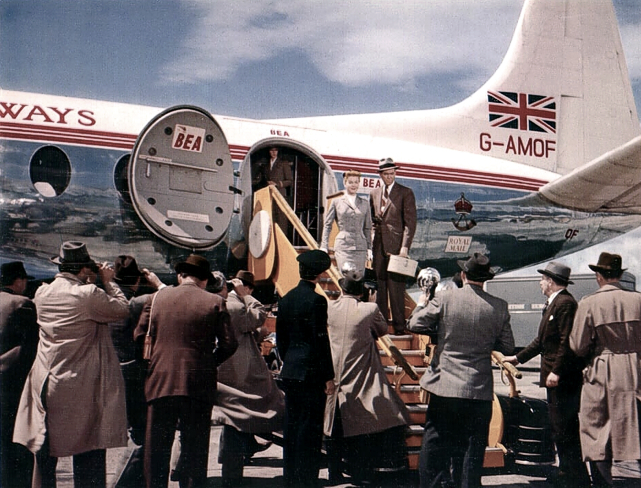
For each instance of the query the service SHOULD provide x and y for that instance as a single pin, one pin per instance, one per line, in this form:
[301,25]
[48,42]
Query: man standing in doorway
[393,208]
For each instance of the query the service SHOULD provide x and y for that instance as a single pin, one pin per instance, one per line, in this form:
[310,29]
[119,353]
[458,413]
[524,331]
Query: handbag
[147,346]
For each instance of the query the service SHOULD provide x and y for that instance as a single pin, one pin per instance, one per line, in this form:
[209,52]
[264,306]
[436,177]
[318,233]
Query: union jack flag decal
[522,111]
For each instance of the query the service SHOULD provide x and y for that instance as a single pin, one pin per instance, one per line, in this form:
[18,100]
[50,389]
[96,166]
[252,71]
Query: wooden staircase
[273,257]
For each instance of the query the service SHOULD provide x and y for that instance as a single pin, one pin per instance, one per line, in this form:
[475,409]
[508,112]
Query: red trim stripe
[65,135]
[86,137]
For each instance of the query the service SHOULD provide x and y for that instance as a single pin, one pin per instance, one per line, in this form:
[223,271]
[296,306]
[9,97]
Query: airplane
[540,162]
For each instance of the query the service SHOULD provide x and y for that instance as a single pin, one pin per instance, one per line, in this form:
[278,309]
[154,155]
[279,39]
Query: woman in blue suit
[352,215]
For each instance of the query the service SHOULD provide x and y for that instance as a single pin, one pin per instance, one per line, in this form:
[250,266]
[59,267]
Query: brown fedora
[73,252]
[557,271]
[196,266]
[477,267]
[126,270]
[608,262]
[247,277]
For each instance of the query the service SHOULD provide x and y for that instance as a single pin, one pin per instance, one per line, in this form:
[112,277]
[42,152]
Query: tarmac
[265,469]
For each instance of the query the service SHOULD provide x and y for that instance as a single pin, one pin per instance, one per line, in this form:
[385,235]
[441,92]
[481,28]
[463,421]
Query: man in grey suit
[468,325]
[393,209]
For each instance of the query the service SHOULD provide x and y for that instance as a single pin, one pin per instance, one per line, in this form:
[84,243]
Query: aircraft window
[50,171]
[120,178]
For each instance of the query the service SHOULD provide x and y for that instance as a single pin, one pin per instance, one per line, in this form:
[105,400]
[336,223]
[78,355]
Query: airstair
[272,257]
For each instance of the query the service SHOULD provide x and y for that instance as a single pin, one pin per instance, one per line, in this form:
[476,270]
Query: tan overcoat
[77,363]
[607,332]
[248,397]
[367,401]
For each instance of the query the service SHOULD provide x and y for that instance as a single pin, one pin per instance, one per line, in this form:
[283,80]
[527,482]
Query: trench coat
[607,332]
[77,366]
[354,230]
[248,397]
[367,401]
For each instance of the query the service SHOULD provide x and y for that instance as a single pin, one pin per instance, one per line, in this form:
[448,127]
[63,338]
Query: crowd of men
[72,386]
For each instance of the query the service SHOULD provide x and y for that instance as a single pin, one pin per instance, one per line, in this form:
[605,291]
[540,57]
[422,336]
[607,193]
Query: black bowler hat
[313,263]
[608,262]
[477,267]
[196,266]
[10,272]
[126,270]
[73,252]
[386,163]
[557,271]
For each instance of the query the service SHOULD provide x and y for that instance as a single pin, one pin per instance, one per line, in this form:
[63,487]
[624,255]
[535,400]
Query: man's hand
[240,289]
[511,360]
[404,252]
[106,272]
[330,387]
[152,279]
[552,381]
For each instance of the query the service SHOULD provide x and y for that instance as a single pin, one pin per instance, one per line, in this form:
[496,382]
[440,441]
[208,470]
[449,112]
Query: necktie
[385,199]
[545,307]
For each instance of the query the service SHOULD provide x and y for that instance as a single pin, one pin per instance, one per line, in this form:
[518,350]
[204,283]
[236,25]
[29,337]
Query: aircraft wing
[609,183]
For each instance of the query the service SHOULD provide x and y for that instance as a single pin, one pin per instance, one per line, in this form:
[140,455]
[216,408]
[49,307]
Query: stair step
[394,373]
[413,357]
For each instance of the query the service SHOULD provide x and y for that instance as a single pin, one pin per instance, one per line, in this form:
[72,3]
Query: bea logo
[188,138]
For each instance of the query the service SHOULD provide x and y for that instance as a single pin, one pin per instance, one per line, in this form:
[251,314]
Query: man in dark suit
[468,324]
[561,373]
[393,208]
[191,338]
[307,372]
[18,345]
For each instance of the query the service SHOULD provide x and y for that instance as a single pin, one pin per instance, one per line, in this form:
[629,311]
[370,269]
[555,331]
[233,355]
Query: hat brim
[390,166]
[473,276]
[57,260]
[555,276]
[597,268]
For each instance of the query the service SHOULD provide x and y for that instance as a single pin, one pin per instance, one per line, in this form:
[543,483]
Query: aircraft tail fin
[561,97]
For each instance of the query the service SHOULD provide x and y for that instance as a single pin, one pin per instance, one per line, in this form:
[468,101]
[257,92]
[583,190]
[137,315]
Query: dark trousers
[89,468]
[233,447]
[303,432]
[134,373]
[563,407]
[16,462]
[163,416]
[454,428]
[390,294]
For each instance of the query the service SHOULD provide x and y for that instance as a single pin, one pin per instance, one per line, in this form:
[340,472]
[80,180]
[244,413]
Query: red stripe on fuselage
[85,137]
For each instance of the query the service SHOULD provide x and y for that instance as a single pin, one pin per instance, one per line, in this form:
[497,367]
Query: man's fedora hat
[558,271]
[386,163]
[247,277]
[73,252]
[126,270]
[608,262]
[477,267]
[196,266]
[352,280]
[10,272]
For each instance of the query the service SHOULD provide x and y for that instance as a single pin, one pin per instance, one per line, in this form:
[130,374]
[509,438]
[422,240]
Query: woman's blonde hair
[351,172]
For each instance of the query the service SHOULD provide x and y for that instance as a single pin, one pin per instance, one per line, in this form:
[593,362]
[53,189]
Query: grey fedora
[557,271]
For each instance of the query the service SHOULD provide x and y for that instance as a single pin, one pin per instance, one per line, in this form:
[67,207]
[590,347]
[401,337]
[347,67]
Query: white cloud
[352,43]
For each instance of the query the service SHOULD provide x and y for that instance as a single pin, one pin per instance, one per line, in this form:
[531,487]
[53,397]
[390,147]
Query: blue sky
[280,58]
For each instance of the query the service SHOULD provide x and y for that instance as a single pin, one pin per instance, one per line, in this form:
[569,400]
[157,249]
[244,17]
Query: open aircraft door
[181,178]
